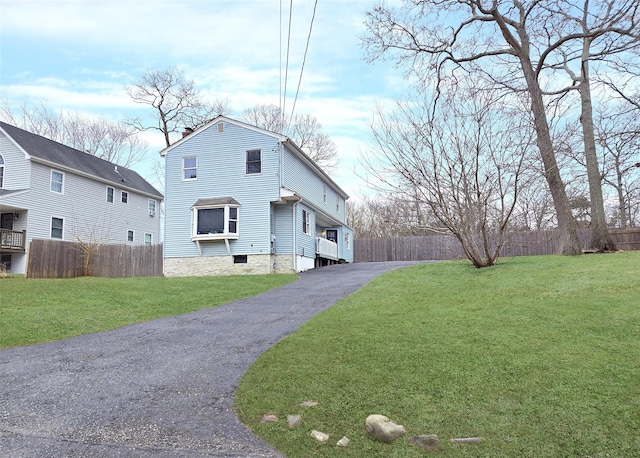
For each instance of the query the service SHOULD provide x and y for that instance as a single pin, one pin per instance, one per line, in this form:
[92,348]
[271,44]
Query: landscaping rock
[343,442]
[293,420]
[269,418]
[309,403]
[466,440]
[427,441]
[380,428]
[319,436]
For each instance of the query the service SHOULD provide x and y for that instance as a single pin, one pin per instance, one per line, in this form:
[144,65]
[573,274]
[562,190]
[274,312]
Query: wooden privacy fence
[442,247]
[61,259]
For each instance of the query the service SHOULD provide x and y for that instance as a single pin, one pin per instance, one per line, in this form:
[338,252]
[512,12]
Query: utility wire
[304,59]
[286,71]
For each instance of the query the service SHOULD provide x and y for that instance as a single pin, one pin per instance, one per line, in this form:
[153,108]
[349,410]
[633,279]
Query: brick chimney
[187,131]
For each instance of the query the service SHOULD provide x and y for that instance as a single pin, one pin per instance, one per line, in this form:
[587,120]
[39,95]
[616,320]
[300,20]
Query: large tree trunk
[569,243]
[600,238]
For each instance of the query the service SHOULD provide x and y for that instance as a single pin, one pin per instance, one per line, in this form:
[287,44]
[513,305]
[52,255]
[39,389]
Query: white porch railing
[326,248]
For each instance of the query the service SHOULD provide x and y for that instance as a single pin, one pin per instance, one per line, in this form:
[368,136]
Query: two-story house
[51,191]
[240,199]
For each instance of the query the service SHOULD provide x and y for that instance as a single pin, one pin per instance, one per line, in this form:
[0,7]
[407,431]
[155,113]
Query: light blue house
[52,191]
[241,200]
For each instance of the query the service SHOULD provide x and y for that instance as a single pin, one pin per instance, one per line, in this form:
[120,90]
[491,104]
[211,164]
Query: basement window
[240,259]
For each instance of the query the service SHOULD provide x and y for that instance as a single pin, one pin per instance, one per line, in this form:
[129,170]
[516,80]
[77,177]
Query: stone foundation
[258,264]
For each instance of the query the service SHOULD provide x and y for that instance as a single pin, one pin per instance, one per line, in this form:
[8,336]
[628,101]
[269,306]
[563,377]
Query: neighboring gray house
[51,191]
[240,199]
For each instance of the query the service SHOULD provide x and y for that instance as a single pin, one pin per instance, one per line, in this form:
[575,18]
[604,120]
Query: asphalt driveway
[160,388]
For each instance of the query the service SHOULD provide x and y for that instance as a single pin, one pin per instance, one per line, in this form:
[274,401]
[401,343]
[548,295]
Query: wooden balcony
[326,249]
[12,241]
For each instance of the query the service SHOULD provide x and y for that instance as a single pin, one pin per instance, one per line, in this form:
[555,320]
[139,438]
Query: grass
[42,310]
[538,355]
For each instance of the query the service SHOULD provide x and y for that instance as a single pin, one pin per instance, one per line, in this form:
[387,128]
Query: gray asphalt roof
[57,153]
[160,388]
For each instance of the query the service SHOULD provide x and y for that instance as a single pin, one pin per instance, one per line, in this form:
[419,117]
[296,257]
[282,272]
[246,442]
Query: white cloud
[79,54]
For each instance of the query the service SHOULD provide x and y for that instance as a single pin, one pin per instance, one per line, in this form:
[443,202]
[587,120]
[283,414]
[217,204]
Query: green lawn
[41,310]
[538,355]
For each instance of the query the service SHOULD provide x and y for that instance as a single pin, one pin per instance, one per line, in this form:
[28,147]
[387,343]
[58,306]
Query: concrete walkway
[161,388]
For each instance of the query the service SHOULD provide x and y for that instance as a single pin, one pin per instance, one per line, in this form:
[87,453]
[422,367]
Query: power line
[286,71]
[304,59]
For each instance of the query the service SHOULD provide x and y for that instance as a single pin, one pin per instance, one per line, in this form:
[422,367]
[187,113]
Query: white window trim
[337,204]
[306,221]
[150,238]
[190,168]
[113,195]
[51,228]
[51,181]
[122,194]
[224,235]
[324,193]
[155,207]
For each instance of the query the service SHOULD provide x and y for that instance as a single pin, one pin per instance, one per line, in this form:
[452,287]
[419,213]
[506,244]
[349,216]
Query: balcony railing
[326,248]
[12,241]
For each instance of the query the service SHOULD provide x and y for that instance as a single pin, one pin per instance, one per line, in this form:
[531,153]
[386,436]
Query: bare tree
[111,141]
[175,99]
[304,130]
[449,39]
[391,216]
[593,31]
[463,161]
[618,135]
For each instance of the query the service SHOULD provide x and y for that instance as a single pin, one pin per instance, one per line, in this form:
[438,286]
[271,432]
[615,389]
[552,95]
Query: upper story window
[129,236]
[215,219]
[189,168]
[338,204]
[57,181]
[124,197]
[254,161]
[110,194]
[57,225]
[152,207]
[306,222]
[1,171]
[324,193]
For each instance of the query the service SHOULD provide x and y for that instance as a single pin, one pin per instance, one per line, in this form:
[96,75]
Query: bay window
[215,219]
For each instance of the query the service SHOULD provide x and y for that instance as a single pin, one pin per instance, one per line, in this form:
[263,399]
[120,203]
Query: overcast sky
[78,55]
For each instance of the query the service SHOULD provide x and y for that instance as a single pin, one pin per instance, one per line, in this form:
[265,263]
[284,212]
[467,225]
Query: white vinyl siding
[222,163]
[306,242]
[17,167]
[300,178]
[83,207]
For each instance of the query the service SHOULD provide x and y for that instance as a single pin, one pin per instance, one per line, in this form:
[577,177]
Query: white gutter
[295,230]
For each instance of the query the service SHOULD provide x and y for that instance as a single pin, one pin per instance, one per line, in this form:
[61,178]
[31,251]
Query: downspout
[295,230]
